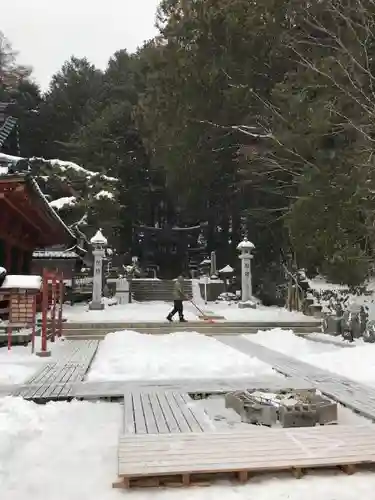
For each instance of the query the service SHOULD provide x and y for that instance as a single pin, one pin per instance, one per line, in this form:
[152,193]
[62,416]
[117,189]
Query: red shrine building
[27,222]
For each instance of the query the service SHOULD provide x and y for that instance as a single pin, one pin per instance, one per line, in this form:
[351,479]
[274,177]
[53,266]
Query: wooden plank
[40,374]
[148,414]
[219,452]
[178,414]
[168,415]
[196,422]
[158,414]
[128,420]
[140,423]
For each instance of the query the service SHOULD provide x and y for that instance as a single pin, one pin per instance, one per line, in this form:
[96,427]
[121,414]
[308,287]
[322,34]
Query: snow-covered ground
[68,451]
[58,451]
[129,355]
[231,312]
[157,311]
[356,363]
[19,364]
[286,342]
[141,312]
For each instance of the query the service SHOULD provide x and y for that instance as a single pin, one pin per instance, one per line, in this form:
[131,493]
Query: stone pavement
[354,395]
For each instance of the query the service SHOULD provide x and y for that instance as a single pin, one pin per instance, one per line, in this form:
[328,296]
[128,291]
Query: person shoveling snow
[178,300]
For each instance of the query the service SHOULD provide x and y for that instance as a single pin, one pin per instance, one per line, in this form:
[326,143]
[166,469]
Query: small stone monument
[122,291]
[213,270]
[245,248]
[99,242]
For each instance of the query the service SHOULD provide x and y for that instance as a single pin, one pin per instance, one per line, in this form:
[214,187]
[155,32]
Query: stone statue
[369,333]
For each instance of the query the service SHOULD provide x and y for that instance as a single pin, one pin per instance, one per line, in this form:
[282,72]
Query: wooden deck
[356,396]
[162,413]
[55,380]
[183,459]
[196,387]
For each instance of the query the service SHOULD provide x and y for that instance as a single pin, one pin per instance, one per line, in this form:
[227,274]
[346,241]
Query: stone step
[209,329]
[147,290]
[128,325]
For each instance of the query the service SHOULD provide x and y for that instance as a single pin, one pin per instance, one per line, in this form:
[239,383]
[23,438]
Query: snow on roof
[66,201]
[54,254]
[245,245]
[99,238]
[227,269]
[9,159]
[104,194]
[21,281]
[53,212]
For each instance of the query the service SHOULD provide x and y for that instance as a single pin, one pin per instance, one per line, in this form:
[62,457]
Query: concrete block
[260,414]
[250,410]
[233,401]
[326,409]
[298,416]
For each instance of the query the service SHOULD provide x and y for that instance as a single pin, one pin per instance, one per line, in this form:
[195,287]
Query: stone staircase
[98,331]
[154,289]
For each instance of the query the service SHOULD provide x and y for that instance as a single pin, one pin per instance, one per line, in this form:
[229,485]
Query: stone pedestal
[99,243]
[247,301]
[43,354]
[122,291]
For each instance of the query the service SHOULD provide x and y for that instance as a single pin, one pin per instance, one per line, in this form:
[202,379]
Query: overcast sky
[48,32]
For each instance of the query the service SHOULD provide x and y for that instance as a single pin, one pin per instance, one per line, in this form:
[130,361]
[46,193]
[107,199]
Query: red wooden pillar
[44,310]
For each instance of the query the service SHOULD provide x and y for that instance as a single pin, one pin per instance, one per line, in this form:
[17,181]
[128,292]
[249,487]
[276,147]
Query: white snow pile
[16,369]
[33,282]
[65,201]
[356,363]
[128,355]
[287,343]
[79,438]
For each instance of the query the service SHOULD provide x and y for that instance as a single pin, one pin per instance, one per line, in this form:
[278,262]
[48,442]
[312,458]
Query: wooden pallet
[162,413]
[55,380]
[183,459]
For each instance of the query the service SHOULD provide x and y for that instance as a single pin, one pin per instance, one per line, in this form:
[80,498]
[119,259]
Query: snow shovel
[205,318]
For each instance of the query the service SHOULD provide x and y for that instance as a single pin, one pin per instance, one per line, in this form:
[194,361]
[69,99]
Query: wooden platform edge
[208,478]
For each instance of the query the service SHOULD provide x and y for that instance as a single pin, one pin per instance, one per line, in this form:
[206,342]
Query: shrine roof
[54,254]
[13,281]
[24,197]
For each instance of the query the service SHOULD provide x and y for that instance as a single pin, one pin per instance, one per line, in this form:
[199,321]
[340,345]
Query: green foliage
[254,116]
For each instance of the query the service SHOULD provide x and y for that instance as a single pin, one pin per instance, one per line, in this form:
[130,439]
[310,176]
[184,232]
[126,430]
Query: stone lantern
[245,248]
[99,243]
